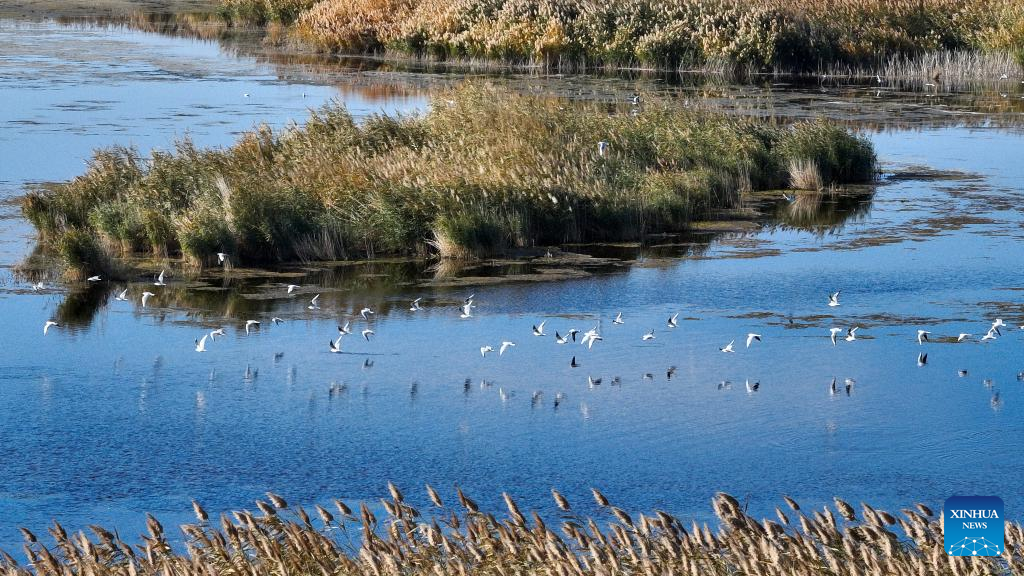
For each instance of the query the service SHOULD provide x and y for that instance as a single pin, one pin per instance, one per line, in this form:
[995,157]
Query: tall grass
[481,171]
[460,538]
[261,12]
[800,35]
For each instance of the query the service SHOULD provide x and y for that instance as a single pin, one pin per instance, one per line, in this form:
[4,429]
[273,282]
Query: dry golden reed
[801,35]
[282,539]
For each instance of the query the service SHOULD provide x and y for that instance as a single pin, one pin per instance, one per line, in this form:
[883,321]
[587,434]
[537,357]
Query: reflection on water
[114,413]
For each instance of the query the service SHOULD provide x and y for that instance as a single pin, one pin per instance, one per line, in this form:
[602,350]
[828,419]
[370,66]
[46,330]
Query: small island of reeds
[480,172]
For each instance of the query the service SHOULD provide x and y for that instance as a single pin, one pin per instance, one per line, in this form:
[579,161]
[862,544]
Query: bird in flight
[251,324]
[672,321]
[160,280]
[728,347]
[832,332]
[49,323]
[505,346]
[313,303]
[922,336]
[833,298]
[201,343]
[538,329]
[752,337]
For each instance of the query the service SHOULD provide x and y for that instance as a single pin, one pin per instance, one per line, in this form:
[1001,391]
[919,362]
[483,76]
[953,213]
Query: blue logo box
[973,526]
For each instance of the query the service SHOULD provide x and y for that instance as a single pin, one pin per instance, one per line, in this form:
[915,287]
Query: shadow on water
[217,295]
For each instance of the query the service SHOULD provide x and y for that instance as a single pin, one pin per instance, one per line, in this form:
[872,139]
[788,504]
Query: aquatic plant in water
[481,171]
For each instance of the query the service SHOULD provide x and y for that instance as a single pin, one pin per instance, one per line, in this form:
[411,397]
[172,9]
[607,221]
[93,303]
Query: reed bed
[480,172]
[460,538]
[791,35]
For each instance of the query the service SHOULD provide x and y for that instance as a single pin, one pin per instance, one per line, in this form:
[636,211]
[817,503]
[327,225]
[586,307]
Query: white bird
[38,286]
[249,324]
[313,303]
[753,387]
[728,347]
[990,335]
[415,305]
[201,344]
[123,296]
[505,346]
[851,334]
[1003,77]
[538,329]
[221,257]
[160,280]
[963,336]
[602,148]
[277,320]
[751,337]
[215,333]
[46,327]
[346,329]
[367,333]
[833,298]
[93,279]
[791,198]
[559,339]
[366,311]
[618,319]
[145,297]
[922,336]
[293,288]
[648,336]
[467,310]
[589,337]
[484,350]
[335,345]
[832,332]
[672,320]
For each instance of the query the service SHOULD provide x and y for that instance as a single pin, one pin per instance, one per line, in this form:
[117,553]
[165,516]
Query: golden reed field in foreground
[462,539]
[789,35]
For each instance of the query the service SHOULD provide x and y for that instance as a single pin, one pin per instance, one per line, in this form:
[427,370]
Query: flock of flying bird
[587,338]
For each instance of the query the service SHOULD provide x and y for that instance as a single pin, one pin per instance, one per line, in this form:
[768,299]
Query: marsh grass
[801,35]
[480,172]
[458,537]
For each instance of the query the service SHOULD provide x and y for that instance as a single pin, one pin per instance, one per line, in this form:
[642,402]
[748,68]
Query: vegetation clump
[450,538]
[479,172]
[792,35]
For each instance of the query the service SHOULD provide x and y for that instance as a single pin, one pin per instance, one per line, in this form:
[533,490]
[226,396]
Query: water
[115,414]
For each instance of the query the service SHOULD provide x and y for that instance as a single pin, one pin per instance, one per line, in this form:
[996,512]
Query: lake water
[114,414]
